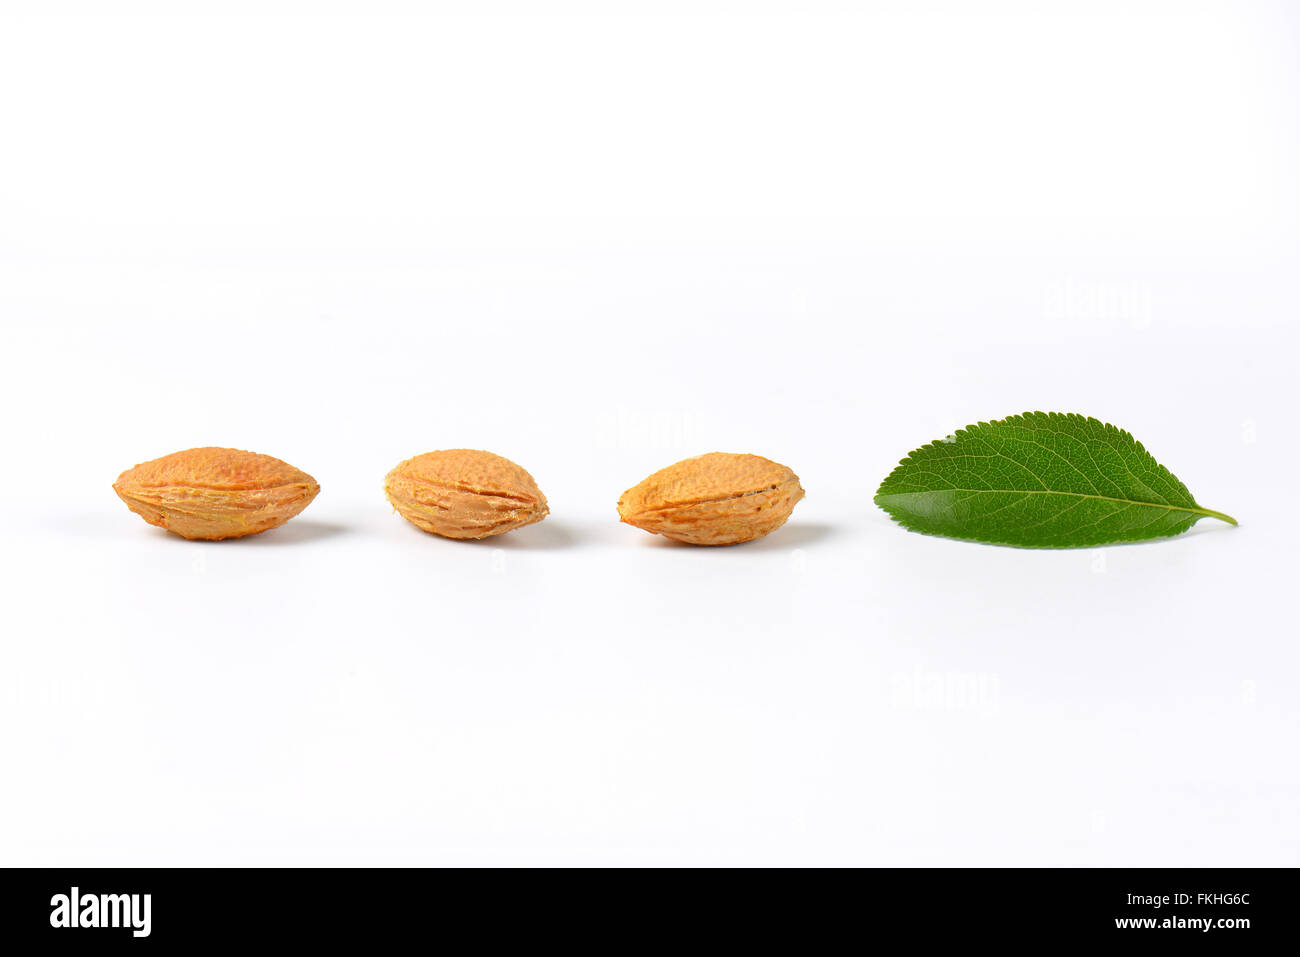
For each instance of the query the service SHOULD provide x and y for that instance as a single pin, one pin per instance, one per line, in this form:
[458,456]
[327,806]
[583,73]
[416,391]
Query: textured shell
[213,493]
[464,493]
[717,499]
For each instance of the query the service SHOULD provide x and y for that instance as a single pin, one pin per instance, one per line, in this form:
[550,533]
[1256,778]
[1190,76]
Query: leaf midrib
[1209,513]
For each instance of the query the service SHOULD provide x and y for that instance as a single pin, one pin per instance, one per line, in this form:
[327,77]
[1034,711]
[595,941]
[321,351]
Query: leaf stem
[1219,515]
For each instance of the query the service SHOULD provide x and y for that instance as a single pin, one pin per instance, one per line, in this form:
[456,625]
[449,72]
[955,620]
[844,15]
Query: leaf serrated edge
[998,541]
[957,435]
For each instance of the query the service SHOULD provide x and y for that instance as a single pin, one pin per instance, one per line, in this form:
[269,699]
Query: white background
[597,239]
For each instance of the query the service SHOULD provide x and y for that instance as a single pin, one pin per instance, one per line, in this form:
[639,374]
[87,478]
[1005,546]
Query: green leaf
[1040,480]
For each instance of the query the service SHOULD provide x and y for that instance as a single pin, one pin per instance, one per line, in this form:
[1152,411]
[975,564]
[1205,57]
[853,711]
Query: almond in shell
[721,498]
[464,493]
[215,493]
